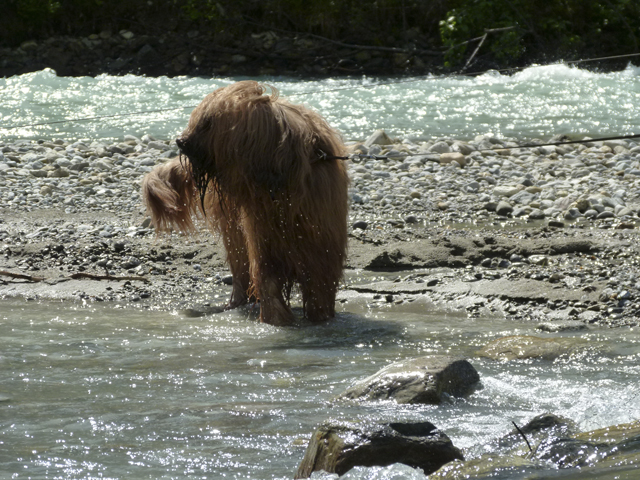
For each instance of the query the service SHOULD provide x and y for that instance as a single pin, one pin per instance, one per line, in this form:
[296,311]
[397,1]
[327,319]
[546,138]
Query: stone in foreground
[419,380]
[338,447]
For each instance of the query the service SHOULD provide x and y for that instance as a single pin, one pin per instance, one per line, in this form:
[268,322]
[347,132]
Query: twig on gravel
[93,276]
[75,276]
[21,276]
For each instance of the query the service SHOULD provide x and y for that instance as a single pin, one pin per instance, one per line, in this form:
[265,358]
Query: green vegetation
[514,31]
[542,28]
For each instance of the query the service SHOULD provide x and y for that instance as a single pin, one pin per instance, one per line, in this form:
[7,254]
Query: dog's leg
[273,308]
[319,300]
[237,258]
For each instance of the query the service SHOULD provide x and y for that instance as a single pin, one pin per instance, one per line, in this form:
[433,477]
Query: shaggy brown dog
[264,174]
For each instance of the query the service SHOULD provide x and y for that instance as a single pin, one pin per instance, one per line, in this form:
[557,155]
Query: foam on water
[540,101]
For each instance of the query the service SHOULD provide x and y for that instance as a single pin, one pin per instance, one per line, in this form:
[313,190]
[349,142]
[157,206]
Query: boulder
[337,447]
[504,208]
[420,380]
[379,137]
[440,147]
[507,190]
[447,158]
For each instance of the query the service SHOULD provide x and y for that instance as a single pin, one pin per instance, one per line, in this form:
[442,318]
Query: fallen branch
[75,276]
[21,276]
[93,276]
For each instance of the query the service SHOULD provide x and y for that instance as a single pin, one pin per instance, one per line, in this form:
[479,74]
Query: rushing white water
[540,101]
[96,392]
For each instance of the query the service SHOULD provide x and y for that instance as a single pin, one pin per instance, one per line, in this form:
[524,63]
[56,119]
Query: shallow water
[540,101]
[99,392]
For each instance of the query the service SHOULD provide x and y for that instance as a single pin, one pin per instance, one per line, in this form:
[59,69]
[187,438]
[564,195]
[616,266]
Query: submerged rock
[484,467]
[612,446]
[419,380]
[338,447]
[527,346]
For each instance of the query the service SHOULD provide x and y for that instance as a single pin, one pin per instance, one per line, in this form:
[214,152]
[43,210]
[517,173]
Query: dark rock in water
[570,452]
[201,311]
[227,279]
[338,447]
[545,421]
[545,428]
[419,380]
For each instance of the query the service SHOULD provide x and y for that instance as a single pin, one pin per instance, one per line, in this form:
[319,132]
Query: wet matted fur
[253,165]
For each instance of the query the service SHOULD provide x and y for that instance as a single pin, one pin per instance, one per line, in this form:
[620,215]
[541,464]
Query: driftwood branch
[21,276]
[93,276]
[75,276]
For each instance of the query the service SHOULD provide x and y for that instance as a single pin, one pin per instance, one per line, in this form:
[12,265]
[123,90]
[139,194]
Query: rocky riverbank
[201,53]
[485,226]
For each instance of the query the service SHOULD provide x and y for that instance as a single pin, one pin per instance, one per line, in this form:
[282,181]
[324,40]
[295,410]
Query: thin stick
[93,276]
[21,276]
[523,436]
[484,37]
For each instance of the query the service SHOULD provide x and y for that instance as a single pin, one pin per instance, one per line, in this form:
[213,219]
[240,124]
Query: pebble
[462,180]
[78,175]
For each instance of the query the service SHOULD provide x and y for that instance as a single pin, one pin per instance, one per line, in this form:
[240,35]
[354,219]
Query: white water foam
[540,101]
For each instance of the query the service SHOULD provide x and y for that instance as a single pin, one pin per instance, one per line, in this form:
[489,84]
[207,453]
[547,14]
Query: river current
[538,102]
[93,391]
[97,392]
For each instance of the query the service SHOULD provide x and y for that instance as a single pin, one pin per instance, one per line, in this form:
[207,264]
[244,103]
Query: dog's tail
[170,196]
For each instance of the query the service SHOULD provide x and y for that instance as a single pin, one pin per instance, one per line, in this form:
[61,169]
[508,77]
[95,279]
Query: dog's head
[200,163]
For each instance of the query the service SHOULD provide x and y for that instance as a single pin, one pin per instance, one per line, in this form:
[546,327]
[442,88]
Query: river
[538,102]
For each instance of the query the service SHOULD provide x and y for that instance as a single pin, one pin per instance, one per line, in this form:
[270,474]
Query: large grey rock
[447,158]
[338,447]
[440,147]
[504,208]
[419,380]
[506,190]
[379,137]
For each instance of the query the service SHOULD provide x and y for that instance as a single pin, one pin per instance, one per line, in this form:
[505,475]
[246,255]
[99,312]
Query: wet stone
[337,447]
[504,208]
[420,380]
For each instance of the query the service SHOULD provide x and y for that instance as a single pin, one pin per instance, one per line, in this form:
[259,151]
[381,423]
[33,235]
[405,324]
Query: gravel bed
[76,206]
